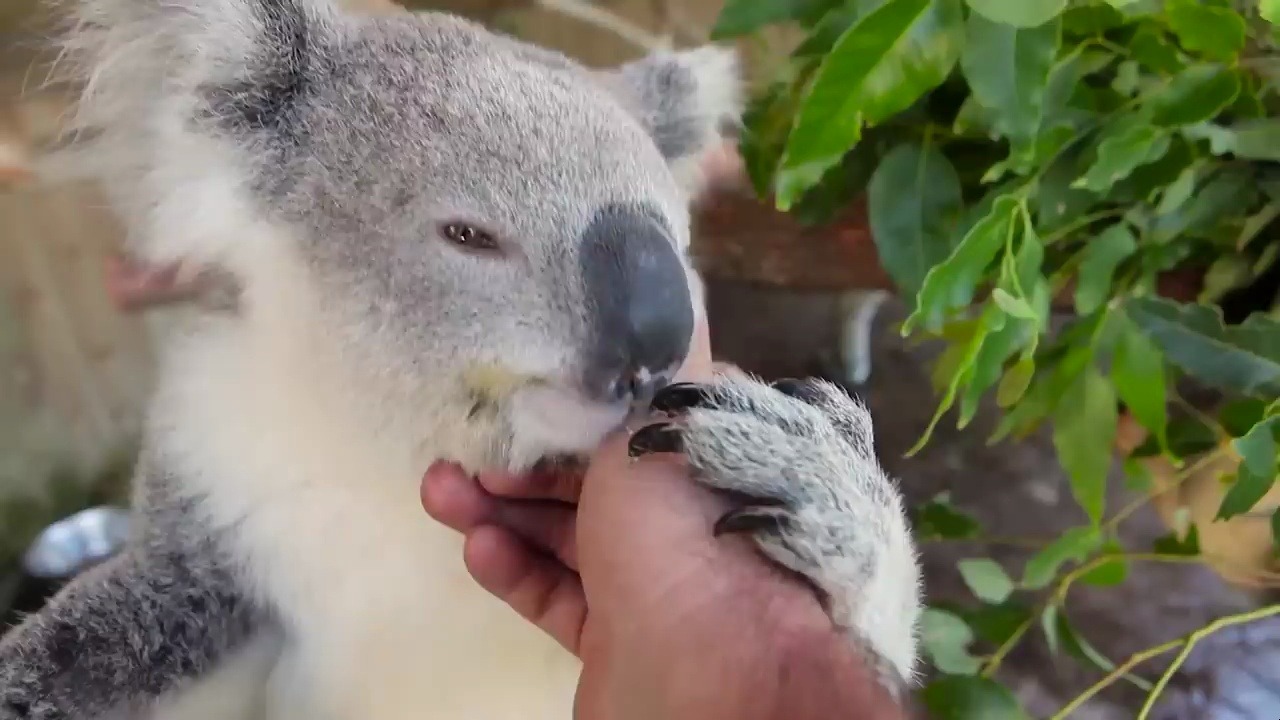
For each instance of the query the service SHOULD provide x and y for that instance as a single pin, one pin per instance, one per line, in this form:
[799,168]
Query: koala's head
[487,233]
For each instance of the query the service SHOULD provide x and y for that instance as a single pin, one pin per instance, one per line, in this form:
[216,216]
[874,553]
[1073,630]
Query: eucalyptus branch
[1196,637]
[1058,596]
[1187,644]
[1109,679]
[993,662]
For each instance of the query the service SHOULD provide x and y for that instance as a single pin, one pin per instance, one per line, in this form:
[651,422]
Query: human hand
[621,567]
[134,286]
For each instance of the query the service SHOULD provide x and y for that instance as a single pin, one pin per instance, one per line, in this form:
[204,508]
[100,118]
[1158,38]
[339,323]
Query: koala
[439,242]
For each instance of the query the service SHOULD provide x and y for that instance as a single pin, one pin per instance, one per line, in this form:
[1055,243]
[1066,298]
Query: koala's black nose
[641,310]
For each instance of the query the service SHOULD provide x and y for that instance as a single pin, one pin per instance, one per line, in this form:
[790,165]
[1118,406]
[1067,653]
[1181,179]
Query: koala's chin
[551,423]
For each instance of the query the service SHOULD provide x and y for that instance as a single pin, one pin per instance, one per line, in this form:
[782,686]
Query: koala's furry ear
[687,100]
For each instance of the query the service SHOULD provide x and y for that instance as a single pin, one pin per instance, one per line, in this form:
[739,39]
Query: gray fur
[310,159]
[137,627]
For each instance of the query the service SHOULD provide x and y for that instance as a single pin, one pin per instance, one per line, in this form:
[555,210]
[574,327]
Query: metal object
[858,314]
[73,544]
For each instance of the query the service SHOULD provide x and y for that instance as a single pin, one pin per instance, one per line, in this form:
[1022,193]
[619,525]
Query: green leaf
[828,30]
[1217,32]
[1225,273]
[1059,631]
[951,284]
[1244,358]
[986,579]
[1154,50]
[1275,527]
[1187,437]
[1098,264]
[1109,572]
[1091,19]
[1137,476]
[1018,13]
[1057,204]
[1228,193]
[1257,472]
[1257,448]
[938,518]
[997,347]
[1049,625]
[741,17]
[1084,432]
[1015,306]
[879,67]
[1179,192]
[1249,139]
[1008,71]
[1194,95]
[1121,153]
[1014,383]
[1270,11]
[1172,544]
[945,638]
[848,179]
[1245,492]
[767,122]
[991,321]
[1074,545]
[956,697]
[995,624]
[913,203]
[1238,416]
[1137,371]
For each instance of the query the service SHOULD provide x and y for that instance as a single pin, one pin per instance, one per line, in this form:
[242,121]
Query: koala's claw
[753,519]
[796,459]
[655,438]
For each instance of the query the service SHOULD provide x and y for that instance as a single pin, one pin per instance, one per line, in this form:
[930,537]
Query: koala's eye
[468,236]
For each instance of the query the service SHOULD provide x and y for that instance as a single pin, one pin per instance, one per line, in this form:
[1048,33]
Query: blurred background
[787,297]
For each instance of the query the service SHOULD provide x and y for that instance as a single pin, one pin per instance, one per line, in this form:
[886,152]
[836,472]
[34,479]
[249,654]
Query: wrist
[807,668]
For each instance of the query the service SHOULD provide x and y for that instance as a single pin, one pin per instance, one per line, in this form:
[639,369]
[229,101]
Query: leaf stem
[1110,678]
[1006,647]
[1137,504]
[1187,644]
[1081,222]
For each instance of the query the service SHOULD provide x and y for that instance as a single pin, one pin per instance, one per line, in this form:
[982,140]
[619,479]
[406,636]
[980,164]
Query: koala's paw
[797,459]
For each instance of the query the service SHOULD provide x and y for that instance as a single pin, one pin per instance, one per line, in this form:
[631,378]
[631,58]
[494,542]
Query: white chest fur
[381,620]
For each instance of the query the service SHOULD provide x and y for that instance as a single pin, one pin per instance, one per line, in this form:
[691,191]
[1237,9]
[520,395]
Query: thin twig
[997,657]
[1189,644]
[606,20]
[1204,461]
[1120,670]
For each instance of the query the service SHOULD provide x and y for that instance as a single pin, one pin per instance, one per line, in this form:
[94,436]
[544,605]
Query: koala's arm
[129,630]
[797,460]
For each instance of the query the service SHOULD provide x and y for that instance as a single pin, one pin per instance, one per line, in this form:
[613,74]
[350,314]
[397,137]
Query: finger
[557,484]
[453,498]
[697,366]
[541,590]
[549,526]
